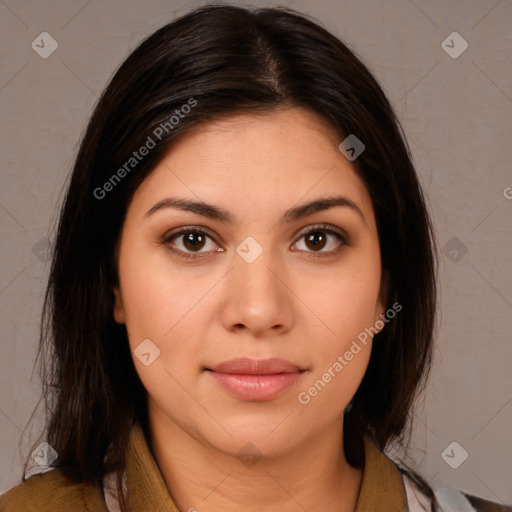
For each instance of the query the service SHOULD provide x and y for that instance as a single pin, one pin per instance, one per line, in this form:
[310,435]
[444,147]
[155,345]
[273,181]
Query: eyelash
[324,228]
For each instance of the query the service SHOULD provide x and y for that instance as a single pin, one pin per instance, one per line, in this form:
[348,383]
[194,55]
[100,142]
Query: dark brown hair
[229,60]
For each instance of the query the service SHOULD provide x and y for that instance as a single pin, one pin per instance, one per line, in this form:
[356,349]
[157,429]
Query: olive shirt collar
[382,487]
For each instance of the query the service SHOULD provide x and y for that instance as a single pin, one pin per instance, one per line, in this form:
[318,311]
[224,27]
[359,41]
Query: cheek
[148,303]
[347,297]
[154,296]
[160,319]
[346,307]
[159,307]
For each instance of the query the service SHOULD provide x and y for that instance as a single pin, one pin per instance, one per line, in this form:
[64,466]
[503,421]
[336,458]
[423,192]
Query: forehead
[292,133]
[257,161]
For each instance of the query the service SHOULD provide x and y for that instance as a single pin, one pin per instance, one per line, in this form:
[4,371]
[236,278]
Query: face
[243,316]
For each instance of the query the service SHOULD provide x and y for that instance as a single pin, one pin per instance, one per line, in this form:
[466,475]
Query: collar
[382,485]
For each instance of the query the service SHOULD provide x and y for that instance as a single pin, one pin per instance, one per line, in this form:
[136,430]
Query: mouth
[255,380]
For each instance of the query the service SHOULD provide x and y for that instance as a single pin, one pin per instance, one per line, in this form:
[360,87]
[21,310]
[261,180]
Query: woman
[241,304]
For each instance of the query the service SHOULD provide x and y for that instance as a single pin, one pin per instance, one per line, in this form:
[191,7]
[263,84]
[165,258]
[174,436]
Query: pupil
[316,239]
[190,240]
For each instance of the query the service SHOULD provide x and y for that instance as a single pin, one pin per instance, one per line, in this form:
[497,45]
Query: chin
[270,437]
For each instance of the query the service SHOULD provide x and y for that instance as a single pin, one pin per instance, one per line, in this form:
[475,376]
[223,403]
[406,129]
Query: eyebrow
[217,213]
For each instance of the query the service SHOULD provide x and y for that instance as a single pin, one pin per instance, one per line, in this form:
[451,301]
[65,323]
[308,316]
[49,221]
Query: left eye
[318,238]
[195,241]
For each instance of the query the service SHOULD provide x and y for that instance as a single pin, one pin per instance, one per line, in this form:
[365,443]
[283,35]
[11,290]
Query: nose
[258,298]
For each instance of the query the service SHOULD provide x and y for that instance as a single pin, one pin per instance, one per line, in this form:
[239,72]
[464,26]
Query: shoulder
[449,500]
[481,505]
[52,491]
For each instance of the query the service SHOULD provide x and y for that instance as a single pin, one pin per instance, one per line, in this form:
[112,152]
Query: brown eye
[194,240]
[321,237]
[316,240]
[190,243]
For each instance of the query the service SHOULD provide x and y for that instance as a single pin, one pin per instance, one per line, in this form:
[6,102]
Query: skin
[295,301]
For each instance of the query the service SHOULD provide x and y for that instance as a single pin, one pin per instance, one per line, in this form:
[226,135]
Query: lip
[255,380]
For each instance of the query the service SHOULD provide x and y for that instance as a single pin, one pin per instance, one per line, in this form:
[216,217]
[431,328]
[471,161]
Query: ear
[118,313]
[380,307]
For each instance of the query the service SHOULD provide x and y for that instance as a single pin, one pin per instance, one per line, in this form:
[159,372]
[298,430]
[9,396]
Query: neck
[312,476]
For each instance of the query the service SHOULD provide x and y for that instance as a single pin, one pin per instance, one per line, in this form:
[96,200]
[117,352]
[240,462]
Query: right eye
[191,240]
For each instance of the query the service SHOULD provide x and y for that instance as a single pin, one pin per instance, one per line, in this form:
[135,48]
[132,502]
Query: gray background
[456,113]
